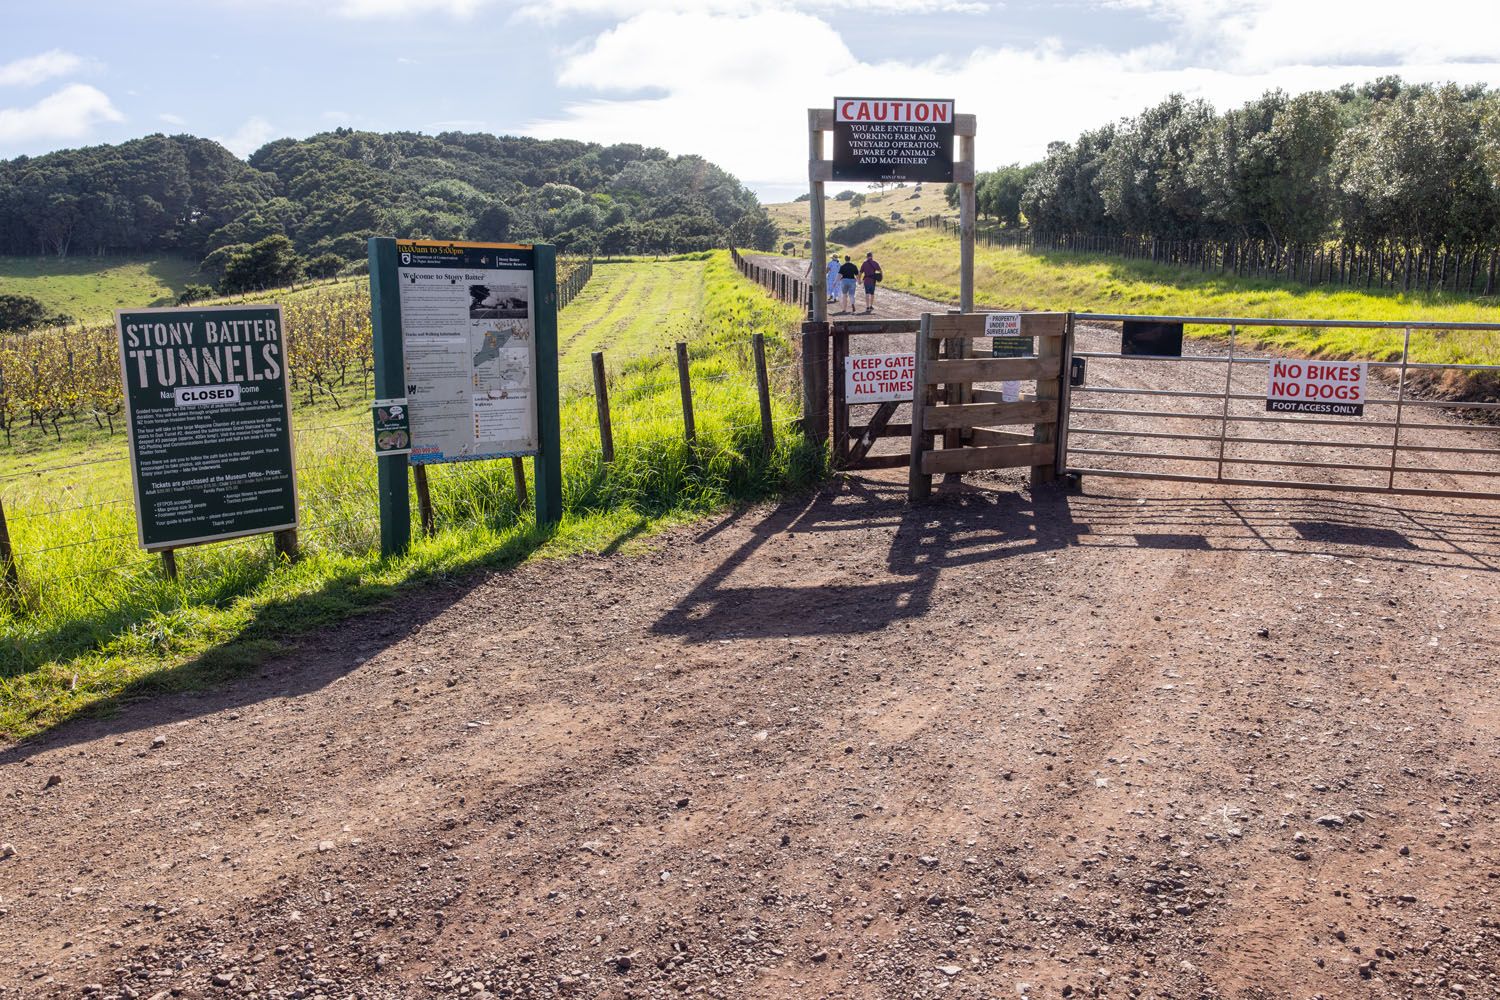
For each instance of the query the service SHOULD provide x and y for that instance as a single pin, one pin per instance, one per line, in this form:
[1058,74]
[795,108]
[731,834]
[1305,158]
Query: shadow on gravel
[1306,524]
[958,527]
[290,647]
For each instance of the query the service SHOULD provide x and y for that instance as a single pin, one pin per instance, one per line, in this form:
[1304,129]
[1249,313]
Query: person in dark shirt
[848,275]
[872,275]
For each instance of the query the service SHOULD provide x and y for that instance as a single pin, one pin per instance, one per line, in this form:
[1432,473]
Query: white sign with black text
[1336,388]
[879,378]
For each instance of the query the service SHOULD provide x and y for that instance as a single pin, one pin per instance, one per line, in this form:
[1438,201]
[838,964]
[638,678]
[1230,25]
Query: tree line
[325,195]
[1390,171]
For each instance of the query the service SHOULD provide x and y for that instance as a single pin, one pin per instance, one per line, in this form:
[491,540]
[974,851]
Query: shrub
[859,230]
[195,293]
[22,312]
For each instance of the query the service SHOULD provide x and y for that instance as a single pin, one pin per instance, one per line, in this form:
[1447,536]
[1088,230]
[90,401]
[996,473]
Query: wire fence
[73,518]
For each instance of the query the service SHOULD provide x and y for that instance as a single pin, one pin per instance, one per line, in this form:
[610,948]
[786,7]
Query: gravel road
[1158,740]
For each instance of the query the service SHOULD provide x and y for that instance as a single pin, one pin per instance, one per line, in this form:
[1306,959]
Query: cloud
[171,119]
[71,113]
[1262,34]
[249,137]
[363,9]
[32,70]
[552,11]
[735,87]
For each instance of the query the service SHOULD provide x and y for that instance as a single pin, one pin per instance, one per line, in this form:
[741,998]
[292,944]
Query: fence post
[10,578]
[601,403]
[762,391]
[286,544]
[1050,388]
[518,471]
[689,432]
[815,381]
[424,501]
[919,484]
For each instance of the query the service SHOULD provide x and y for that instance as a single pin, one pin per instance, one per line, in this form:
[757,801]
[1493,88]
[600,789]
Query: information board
[879,378]
[208,413]
[1334,388]
[892,139]
[469,350]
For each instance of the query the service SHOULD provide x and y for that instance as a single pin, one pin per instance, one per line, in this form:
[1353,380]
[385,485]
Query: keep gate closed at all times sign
[879,378]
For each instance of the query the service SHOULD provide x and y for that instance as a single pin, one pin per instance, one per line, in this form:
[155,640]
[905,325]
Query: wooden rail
[965,416]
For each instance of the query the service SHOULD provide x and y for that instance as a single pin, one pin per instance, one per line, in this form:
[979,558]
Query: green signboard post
[465,334]
[208,411]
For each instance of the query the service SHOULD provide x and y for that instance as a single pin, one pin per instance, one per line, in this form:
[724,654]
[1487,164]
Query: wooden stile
[967,417]
[967,370]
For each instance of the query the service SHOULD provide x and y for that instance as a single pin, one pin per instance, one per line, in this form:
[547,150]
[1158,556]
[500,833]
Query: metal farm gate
[1144,402]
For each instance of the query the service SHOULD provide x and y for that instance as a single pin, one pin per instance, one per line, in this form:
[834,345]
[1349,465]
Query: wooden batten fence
[780,284]
[946,401]
[569,287]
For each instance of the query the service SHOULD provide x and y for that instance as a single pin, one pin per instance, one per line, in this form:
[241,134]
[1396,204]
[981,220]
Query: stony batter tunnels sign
[879,378]
[206,401]
[1336,388]
[467,314]
[877,139]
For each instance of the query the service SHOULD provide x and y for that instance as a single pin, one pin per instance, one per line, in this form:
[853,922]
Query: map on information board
[469,350]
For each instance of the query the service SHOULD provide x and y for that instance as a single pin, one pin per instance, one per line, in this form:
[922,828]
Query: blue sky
[729,79]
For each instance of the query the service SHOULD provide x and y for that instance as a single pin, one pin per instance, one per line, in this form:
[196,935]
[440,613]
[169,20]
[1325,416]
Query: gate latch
[1076,371]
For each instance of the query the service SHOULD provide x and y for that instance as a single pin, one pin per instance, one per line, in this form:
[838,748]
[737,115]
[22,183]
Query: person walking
[848,276]
[872,275]
[833,277]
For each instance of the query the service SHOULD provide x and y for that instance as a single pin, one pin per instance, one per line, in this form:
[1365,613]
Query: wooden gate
[946,401]
[851,442]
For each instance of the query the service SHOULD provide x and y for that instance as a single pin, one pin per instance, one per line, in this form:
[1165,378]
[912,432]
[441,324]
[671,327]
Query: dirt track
[1159,740]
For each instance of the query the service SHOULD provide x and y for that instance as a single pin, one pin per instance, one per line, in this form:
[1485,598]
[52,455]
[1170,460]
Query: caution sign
[879,378]
[882,139]
[1334,388]
[206,404]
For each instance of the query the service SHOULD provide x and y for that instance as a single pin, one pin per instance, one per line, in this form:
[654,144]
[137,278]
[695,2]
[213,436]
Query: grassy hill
[90,289]
[912,201]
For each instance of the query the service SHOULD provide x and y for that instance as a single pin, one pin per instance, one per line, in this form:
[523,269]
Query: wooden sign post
[878,141]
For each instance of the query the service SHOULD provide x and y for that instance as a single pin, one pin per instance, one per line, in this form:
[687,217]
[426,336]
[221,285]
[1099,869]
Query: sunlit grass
[97,618]
[925,263]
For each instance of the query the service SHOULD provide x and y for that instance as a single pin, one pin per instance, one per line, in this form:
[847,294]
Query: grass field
[99,622]
[627,310]
[92,288]
[791,216]
[926,263]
